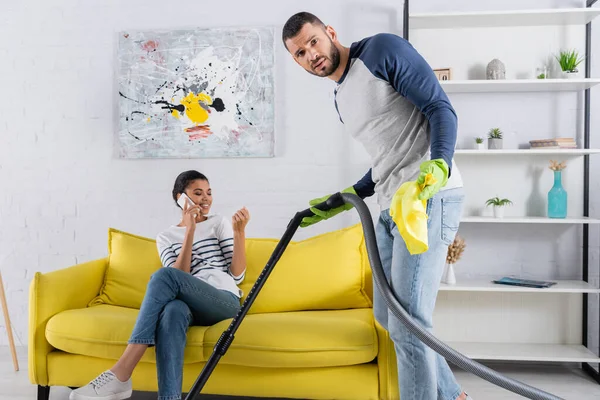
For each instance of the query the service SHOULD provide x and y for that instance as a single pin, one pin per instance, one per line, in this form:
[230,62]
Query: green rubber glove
[439,169]
[322,215]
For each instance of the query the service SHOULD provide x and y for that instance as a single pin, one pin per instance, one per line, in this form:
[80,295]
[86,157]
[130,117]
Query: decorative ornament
[496,70]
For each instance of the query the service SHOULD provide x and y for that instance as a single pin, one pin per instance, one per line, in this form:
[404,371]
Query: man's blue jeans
[415,279]
[175,300]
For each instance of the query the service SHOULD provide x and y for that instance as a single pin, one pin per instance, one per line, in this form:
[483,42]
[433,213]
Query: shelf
[480,285]
[493,19]
[527,152]
[530,220]
[518,85]
[560,309]
[525,352]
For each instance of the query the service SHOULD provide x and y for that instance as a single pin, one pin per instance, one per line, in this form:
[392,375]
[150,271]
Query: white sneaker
[105,387]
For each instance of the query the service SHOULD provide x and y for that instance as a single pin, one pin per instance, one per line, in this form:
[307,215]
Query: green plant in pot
[498,205]
[495,139]
[569,61]
[479,143]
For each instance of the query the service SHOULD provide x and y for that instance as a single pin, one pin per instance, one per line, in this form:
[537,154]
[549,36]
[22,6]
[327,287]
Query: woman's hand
[240,220]
[190,213]
[238,262]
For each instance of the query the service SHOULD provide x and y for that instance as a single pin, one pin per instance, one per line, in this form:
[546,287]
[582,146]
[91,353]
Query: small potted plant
[479,143]
[569,60]
[499,205]
[495,139]
[541,72]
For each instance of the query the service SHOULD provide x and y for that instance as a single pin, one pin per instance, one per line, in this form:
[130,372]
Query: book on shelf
[557,143]
[524,282]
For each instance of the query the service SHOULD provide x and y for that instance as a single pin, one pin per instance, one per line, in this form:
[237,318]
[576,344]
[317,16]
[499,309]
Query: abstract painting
[196,93]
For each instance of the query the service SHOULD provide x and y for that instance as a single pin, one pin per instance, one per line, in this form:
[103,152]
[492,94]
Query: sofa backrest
[329,271]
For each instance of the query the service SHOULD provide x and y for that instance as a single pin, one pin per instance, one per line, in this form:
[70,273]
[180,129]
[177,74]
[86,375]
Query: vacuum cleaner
[451,355]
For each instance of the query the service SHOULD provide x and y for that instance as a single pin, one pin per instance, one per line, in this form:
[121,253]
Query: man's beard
[334,58]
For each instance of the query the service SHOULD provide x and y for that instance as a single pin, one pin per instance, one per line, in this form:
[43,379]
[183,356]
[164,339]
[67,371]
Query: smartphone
[182,199]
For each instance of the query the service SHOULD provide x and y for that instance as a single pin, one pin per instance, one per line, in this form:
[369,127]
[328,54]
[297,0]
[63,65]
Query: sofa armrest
[53,292]
[387,366]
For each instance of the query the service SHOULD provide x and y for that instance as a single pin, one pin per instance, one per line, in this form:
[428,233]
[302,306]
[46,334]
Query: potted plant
[541,72]
[495,139]
[569,60]
[479,143]
[499,205]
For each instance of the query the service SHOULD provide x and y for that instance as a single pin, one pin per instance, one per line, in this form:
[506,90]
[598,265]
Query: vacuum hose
[337,200]
[425,336]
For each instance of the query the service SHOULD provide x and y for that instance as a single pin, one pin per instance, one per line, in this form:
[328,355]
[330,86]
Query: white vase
[480,146]
[449,278]
[498,211]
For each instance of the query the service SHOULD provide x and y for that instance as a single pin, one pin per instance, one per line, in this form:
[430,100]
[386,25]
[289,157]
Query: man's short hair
[295,23]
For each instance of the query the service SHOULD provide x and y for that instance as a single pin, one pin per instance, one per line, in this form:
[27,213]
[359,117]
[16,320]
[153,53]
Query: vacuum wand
[456,358]
[227,337]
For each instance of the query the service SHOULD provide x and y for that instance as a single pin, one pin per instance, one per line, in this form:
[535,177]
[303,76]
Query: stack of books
[558,143]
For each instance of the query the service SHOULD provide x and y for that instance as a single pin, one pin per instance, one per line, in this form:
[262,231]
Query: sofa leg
[43,392]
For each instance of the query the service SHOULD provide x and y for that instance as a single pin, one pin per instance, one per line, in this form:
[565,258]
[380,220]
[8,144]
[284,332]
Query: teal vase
[557,198]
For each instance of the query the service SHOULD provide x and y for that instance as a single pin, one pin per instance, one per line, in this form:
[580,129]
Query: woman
[204,260]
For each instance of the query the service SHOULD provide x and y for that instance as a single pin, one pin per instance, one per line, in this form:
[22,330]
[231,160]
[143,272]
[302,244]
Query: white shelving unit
[493,19]
[529,220]
[481,285]
[571,353]
[519,85]
[555,319]
[528,152]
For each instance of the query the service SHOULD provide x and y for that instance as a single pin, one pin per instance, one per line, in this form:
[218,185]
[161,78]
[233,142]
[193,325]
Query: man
[389,99]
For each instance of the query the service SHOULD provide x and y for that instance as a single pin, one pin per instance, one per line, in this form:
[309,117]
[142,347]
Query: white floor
[560,381]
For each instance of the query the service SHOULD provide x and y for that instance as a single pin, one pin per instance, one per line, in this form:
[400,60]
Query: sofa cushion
[325,272]
[132,260]
[296,339]
[102,331]
[300,339]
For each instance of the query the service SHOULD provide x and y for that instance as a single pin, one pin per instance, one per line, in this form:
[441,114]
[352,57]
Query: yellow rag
[409,214]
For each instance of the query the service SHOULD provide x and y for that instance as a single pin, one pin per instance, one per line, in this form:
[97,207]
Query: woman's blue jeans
[174,301]
[415,279]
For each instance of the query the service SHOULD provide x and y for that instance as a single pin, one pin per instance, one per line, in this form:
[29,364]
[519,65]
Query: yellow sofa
[310,333]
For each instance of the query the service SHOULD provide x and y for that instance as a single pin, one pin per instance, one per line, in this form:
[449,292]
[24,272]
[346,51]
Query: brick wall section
[61,187]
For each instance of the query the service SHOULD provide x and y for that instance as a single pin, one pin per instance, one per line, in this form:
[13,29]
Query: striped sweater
[212,252]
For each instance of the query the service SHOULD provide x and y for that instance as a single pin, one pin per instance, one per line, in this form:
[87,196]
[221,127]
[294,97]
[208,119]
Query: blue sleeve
[395,60]
[365,187]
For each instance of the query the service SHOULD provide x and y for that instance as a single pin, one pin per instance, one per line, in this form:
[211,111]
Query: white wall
[61,187]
